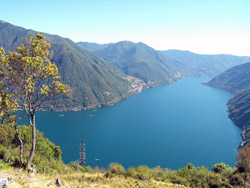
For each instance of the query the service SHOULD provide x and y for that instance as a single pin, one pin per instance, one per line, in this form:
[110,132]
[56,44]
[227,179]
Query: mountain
[94,82]
[206,65]
[239,113]
[239,108]
[234,80]
[143,62]
[91,47]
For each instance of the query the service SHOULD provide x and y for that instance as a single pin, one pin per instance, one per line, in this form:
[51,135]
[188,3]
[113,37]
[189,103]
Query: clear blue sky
[202,26]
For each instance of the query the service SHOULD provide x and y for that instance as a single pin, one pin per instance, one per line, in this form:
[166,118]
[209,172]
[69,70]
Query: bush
[116,168]
[219,168]
[4,165]
[236,180]
[132,172]
[88,169]
[227,172]
[143,172]
[7,135]
[44,148]
[47,155]
[158,174]
[179,180]
[2,152]
[8,154]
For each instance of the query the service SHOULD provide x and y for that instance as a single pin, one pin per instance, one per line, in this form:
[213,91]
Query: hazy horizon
[204,27]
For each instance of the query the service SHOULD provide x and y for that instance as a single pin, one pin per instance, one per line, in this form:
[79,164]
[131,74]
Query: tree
[219,168]
[8,116]
[243,164]
[29,79]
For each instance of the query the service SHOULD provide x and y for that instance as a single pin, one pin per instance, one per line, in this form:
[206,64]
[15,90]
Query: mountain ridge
[143,62]
[194,64]
[234,80]
[94,82]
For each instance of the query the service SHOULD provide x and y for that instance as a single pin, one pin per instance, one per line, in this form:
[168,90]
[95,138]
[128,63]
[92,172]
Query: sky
[201,26]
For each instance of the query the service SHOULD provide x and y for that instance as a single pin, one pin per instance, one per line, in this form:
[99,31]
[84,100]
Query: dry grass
[77,180]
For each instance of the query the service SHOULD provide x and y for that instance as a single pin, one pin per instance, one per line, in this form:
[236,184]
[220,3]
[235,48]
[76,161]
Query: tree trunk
[21,147]
[32,152]
[245,180]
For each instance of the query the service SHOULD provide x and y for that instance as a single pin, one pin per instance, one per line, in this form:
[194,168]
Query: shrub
[7,135]
[236,180]
[227,172]
[219,168]
[47,156]
[143,172]
[116,168]
[132,172]
[179,180]
[4,165]
[44,147]
[88,169]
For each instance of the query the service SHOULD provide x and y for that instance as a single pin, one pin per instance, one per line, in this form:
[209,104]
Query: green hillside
[143,62]
[239,108]
[152,66]
[234,80]
[94,82]
[239,112]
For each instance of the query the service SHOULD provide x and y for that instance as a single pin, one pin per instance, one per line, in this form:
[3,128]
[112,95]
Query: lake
[168,126]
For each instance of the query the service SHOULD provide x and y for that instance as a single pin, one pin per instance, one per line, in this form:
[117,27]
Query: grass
[78,180]
[4,165]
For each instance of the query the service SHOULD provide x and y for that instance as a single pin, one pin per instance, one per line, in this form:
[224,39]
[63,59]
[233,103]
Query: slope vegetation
[239,108]
[233,80]
[94,82]
[237,81]
[143,62]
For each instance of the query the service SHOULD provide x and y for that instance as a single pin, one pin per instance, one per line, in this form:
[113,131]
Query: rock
[32,169]
[3,182]
[58,182]
[10,179]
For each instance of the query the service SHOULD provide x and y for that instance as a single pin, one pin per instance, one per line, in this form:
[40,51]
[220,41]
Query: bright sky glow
[201,26]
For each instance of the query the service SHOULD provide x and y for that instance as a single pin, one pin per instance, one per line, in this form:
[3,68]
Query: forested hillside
[93,82]
[138,59]
[236,80]
[141,61]
[239,108]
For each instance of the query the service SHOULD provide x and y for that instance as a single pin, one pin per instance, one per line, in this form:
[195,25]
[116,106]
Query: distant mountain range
[143,62]
[126,55]
[206,65]
[236,80]
[91,47]
[103,74]
[93,81]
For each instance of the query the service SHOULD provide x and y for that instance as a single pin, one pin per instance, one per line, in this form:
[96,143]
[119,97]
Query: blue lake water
[168,126]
